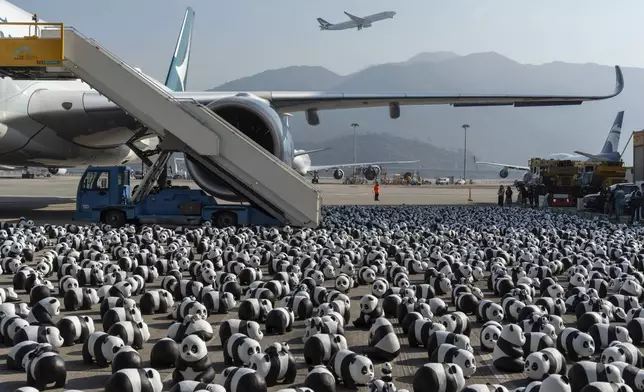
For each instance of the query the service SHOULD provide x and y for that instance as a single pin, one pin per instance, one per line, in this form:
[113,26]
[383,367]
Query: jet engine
[256,119]
[527,178]
[371,172]
[338,174]
[503,173]
[56,170]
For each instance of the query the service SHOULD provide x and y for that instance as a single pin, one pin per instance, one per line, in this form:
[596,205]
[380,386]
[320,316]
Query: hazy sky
[236,38]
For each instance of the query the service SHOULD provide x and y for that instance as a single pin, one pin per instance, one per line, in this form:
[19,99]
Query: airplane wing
[513,167]
[307,152]
[345,165]
[299,101]
[354,18]
[591,156]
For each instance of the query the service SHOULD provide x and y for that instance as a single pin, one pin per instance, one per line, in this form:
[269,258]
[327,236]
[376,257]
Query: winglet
[619,82]
[177,77]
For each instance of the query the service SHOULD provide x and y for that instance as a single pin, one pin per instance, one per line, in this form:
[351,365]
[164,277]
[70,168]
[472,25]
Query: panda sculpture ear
[149,373]
[451,370]
[565,379]
[620,350]
[545,357]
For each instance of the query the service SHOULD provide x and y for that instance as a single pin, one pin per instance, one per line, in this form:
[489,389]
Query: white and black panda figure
[253,309]
[302,306]
[39,334]
[239,348]
[249,328]
[75,329]
[420,330]
[80,299]
[108,303]
[44,311]
[635,329]
[541,364]
[11,325]
[601,386]
[320,379]
[439,377]
[379,385]
[114,315]
[490,333]
[386,372]
[189,306]
[603,335]
[555,383]
[437,306]
[279,321]
[164,353]
[237,379]
[195,386]
[485,388]
[135,380]
[321,347]
[508,352]
[133,334]
[448,353]
[632,375]
[274,366]
[457,322]
[467,303]
[370,310]
[18,352]
[101,347]
[383,345]
[315,325]
[588,319]
[199,327]
[193,362]
[575,344]
[218,302]
[44,367]
[622,352]
[126,358]
[583,373]
[535,341]
[439,337]
[489,311]
[351,369]
[156,301]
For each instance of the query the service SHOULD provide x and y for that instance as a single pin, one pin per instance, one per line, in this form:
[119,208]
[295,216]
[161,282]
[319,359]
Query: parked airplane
[608,153]
[356,21]
[68,124]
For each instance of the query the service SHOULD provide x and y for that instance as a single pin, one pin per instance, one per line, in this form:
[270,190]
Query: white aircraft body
[64,124]
[356,22]
[608,153]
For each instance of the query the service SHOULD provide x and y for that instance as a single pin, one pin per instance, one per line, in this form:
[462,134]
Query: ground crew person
[376,191]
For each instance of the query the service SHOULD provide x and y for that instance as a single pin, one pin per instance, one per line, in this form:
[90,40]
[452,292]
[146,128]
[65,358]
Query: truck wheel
[114,218]
[225,219]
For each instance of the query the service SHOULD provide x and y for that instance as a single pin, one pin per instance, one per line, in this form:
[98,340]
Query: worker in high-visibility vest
[376,191]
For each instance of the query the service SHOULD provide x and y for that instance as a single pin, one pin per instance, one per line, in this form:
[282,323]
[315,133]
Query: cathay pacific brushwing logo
[3,20]
[22,50]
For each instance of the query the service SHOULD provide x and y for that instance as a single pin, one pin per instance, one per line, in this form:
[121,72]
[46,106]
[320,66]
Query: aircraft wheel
[114,218]
[225,219]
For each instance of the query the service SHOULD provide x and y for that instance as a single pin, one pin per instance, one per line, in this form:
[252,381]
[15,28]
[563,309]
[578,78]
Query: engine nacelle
[338,174]
[527,178]
[56,171]
[503,173]
[256,119]
[371,172]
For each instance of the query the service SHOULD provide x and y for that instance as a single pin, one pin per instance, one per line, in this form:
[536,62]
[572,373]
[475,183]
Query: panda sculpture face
[537,365]
[465,360]
[247,349]
[342,283]
[379,287]
[361,369]
[369,275]
[514,334]
[111,346]
[193,349]
[584,345]
[368,303]
[489,336]
[69,284]
[53,337]
[261,363]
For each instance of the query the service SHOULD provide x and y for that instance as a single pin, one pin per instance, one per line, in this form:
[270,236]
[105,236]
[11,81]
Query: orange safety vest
[376,189]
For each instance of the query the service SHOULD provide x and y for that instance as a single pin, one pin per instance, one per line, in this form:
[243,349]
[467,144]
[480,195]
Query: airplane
[608,152]
[66,123]
[356,21]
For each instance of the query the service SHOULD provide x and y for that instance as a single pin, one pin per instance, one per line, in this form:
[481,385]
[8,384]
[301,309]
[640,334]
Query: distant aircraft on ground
[356,21]
[370,170]
[608,153]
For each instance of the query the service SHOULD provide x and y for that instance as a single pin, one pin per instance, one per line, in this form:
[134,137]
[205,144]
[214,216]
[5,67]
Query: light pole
[355,143]
[465,126]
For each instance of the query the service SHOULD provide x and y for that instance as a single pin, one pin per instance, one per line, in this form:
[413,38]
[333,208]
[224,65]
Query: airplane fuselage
[352,24]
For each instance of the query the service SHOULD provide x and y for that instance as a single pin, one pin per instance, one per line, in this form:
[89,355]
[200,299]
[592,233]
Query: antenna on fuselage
[35,20]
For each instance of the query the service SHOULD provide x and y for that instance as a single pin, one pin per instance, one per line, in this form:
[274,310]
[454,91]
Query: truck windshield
[96,180]
[123,178]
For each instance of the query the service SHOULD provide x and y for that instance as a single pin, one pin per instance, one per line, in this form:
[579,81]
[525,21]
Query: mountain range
[507,134]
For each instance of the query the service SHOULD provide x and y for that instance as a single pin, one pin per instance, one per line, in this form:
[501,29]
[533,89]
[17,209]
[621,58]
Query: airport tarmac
[52,201]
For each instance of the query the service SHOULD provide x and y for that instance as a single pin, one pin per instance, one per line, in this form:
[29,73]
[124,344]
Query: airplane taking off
[356,21]
[608,152]
[66,123]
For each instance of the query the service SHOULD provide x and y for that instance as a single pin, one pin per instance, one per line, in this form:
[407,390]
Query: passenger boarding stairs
[263,179]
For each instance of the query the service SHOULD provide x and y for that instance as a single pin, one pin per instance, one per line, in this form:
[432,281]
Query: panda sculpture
[232,326]
[370,311]
[603,335]
[189,306]
[193,362]
[239,348]
[75,329]
[583,373]
[156,301]
[485,388]
[635,328]
[440,337]
[108,303]
[622,352]
[508,352]
[535,341]
[101,347]
[602,386]
[132,334]
[321,347]
[448,353]
[351,369]
[489,311]
[116,314]
[44,311]
[18,352]
[274,366]
[199,327]
[632,375]
[279,321]
[320,379]
[195,386]
[235,379]
[543,363]
[489,335]
[126,358]
[80,299]
[456,322]
[383,342]
[135,380]
[218,302]
[420,331]
[44,367]
[575,344]
[253,309]
[438,377]
[164,353]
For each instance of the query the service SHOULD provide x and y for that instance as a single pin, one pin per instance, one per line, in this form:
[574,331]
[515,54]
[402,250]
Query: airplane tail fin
[307,152]
[323,23]
[612,140]
[178,73]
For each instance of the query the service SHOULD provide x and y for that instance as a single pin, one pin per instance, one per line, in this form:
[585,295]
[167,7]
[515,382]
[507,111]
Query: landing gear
[316,177]
[26,174]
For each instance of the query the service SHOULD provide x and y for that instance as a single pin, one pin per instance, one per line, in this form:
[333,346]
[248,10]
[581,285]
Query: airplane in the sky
[608,152]
[356,21]
[66,123]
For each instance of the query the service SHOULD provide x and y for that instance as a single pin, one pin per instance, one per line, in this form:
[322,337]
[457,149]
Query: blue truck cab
[105,195]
